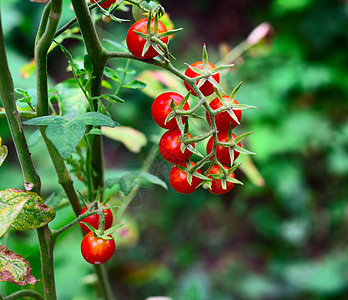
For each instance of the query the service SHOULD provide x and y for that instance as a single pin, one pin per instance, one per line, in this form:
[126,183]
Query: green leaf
[97,119]
[66,136]
[134,84]
[34,138]
[95,131]
[153,179]
[46,120]
[14,268]
[133,139]
[110,98]
[112,74]
[30,208]
[117,46]
[127,183]
[88,65]
[72,101]
[3,153]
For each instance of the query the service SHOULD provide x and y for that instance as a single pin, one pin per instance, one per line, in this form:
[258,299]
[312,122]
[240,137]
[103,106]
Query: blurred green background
[285,239]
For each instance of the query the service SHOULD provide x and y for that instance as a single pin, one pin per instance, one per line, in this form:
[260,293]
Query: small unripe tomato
[96,250]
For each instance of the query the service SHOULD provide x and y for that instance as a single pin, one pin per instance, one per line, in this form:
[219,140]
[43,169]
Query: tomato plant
[207,88]
[178,179]
[216,186]
[169,147]
[161,108]
[74,116]
[93,220]
[222,152]
[223,120]
[96,250]
[136,43]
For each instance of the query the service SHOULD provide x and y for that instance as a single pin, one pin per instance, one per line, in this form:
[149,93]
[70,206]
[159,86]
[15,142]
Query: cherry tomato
[223,120]
[94,220]
[222,153]
[178,180]
[136,43]
[161,109]
[169,147]
[207,88]
[97,250]
[105,4]
[216,187]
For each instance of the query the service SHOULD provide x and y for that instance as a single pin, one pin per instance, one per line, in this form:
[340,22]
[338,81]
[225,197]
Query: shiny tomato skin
[95,250]
[161,108]
[178,180]
[223,120]
[207,88]
[222,153]
[216,187]
[105,4]
[94,220]
[136,43]
[169,147]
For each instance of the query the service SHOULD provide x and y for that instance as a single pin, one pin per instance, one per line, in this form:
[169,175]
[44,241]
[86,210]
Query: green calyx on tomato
[97,250]
[148,37]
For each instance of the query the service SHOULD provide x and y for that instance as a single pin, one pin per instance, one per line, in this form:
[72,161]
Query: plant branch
[23,293]
[31,178]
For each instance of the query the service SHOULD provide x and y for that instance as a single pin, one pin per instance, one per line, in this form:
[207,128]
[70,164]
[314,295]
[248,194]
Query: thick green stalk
[46,252]
[31,178]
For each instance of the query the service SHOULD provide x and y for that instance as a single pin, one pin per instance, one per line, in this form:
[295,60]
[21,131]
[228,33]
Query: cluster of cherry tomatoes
[142,45]
[170,142]
[97,249]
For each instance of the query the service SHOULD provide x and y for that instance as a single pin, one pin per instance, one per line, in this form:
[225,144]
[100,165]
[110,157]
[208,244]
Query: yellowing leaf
[133,139]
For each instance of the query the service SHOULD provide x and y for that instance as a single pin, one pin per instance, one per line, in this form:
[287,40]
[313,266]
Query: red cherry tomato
[105,4]
[169,147]
[222,153]
[94,220]
[207,88]
[216,187]
[97,250]
[161,109]
[178,180]
[223,120]
[136,43]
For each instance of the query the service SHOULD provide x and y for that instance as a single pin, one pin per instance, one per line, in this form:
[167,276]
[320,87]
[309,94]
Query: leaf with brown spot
[14,268]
